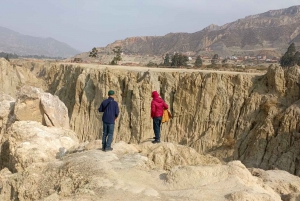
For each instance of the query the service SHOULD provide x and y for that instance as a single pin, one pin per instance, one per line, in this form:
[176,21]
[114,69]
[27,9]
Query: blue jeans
[156,127]
[108,133]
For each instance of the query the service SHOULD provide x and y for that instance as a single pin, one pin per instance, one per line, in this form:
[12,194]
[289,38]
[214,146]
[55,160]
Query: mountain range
[14,42]
[268,33]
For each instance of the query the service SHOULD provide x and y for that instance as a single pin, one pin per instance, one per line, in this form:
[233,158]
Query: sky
[84,24]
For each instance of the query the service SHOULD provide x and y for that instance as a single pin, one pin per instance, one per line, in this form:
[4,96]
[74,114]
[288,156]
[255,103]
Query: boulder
[32,143]
[33,104]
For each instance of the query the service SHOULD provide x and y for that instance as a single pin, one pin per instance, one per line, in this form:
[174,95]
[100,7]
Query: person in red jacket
[157,110]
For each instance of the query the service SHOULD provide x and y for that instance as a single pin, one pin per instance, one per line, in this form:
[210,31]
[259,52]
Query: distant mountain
[269,32]
[14,42]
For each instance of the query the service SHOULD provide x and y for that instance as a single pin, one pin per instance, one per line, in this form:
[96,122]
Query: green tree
[117,51]
[183,59]
[94,53]
[175,60]
[215,59]
[179,60]
[167,60]
[198,62]
[288,59]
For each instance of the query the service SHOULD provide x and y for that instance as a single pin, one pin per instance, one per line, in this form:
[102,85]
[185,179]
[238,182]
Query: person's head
[155,94]
[111,93]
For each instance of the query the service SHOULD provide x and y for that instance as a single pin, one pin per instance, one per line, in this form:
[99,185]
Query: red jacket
[157,105]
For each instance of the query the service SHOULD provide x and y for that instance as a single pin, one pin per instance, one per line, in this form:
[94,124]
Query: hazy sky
[84,24]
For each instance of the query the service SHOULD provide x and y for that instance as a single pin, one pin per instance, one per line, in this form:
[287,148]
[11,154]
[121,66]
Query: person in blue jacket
[110,110]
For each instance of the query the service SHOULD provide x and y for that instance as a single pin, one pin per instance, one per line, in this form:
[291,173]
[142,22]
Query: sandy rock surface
[126,173]
[30,142]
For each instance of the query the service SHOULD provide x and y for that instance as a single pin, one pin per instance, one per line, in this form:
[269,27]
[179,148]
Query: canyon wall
[250,117]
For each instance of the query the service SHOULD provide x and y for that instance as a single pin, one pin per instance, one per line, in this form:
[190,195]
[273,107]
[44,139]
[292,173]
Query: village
[131,59]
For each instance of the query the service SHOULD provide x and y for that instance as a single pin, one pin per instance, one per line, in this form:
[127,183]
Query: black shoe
[103,149]
[156,141]
[108,149]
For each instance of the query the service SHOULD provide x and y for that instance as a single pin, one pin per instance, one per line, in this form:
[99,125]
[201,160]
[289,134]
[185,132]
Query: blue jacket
[111,112]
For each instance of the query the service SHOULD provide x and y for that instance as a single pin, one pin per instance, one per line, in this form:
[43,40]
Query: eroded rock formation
[250,117]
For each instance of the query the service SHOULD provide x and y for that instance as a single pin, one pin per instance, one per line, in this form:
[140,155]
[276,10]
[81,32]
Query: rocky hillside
[13,42]
[270,32]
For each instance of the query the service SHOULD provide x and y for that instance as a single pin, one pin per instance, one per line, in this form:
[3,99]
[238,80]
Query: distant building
[207,49]
[261,57]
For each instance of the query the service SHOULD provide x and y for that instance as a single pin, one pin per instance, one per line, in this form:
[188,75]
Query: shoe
[156,141]
[108,149]
[103,149]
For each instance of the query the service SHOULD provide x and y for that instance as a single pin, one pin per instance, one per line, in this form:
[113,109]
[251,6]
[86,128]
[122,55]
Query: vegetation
[151,64]
[41,57]
[291,57]
[117,51]
[94,53]
[167,60]
[215,59]
[224,61]
[198,62]
[179,60]
[8,56]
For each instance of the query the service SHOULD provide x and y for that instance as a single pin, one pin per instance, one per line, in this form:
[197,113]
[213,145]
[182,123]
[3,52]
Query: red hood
[155,94]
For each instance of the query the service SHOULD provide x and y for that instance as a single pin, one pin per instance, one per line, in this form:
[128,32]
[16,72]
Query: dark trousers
[156,127]
[108,133]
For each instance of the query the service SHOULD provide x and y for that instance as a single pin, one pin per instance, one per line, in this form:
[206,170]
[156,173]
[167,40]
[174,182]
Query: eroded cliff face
[250,117]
